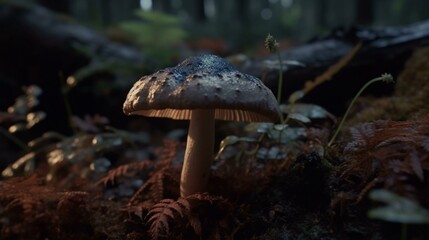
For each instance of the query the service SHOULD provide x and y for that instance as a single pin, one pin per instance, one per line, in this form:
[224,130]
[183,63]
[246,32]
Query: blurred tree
[162,6]
[364,12]
[200,10]
[196,10]
[156,33]
[243,16]
[313,17]
[62,6]
[115,11]
[243,23]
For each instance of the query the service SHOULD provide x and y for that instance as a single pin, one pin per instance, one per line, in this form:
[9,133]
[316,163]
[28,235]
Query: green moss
[410,97]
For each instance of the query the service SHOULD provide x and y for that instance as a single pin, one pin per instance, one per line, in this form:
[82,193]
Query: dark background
[244,23]
[44,42]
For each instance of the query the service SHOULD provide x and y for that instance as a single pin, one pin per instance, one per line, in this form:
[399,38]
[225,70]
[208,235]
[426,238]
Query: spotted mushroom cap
[203,82]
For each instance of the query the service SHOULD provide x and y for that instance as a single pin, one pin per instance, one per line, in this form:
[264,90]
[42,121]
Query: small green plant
[273,46]
[280,136]
[92,138]
[22,115]
[387,78]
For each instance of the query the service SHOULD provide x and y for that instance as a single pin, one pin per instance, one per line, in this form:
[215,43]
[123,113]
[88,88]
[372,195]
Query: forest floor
[370,184]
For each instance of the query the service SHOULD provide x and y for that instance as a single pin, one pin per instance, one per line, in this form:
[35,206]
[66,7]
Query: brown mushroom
[201,89]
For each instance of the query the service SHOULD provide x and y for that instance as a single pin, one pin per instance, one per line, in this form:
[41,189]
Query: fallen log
[383,50]
[40,47]
[42,43]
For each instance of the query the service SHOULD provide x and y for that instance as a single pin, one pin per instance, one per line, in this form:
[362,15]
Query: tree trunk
[62,6]
[364,12]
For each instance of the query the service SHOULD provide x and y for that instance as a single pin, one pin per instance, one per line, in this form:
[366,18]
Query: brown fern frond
[169,151]
[37,211]
[366,189]
[26,192]
[190,214]
[140,210]
[166,210]
[164,169]
[414,163]
[196,225]
[156,183]
[122,170]
[27,204]
[155,186]
[390,152]
[213,213]
[68,196]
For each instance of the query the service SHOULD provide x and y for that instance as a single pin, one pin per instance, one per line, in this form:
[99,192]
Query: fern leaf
[157,184]
[122,170]
[393,139]
[26,192]
[162,212]
[159,221]
[416,165]
[163,169]
[387,153]
[158,224]
[26,204]
[181,207]
[196,225]
[425,143]
[154,184]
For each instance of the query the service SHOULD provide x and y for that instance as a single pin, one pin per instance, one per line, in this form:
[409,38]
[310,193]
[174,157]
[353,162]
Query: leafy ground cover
[268,181]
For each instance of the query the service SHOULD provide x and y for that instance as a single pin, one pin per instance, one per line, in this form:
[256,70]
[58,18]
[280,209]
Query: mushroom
[201,89]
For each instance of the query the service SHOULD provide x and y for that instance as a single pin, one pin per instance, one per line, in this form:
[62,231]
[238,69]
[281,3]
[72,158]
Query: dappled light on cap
[203,82]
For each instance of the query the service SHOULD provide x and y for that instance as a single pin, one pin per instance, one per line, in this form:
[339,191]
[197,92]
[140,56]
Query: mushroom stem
[199,152]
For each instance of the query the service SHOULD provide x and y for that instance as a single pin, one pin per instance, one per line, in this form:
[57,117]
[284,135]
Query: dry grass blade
[332,70]
[416,166]
[387,154]
[329,73]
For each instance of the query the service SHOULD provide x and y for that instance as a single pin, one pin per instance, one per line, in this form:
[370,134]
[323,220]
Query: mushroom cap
[202,82]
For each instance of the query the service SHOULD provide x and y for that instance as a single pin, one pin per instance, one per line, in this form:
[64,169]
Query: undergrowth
[269,181]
